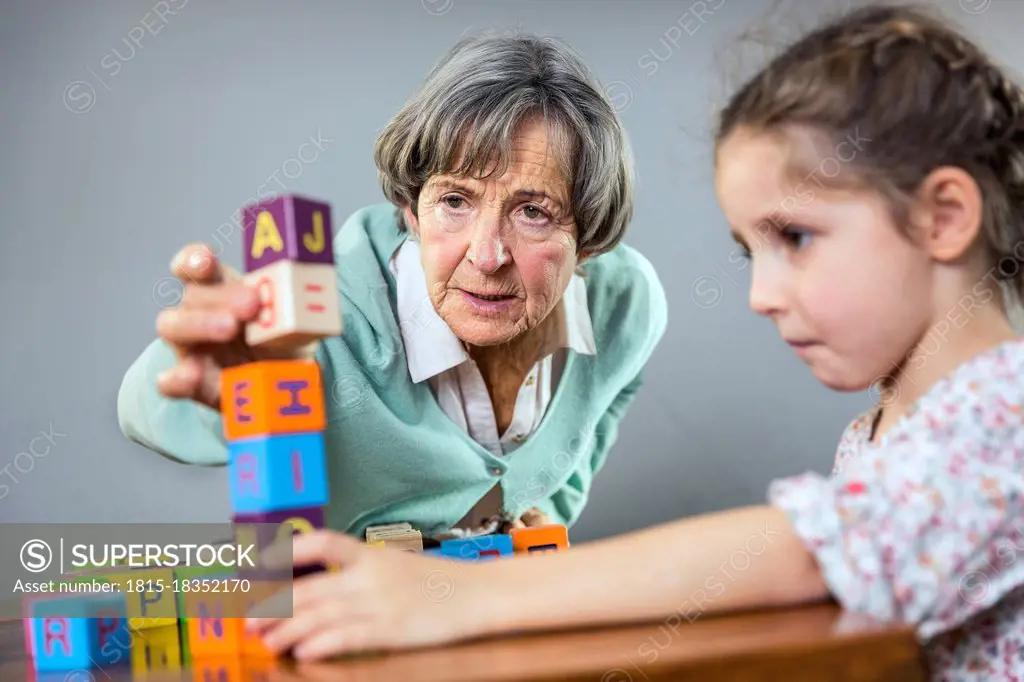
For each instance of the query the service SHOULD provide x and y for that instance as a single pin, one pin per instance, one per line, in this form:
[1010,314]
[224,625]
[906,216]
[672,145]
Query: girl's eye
[453,201]
[796,238]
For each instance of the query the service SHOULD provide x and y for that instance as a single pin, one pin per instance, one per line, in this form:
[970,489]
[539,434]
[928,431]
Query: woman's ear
[411,221]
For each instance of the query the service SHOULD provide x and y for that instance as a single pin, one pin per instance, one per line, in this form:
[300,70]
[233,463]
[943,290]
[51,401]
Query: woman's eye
[534,213]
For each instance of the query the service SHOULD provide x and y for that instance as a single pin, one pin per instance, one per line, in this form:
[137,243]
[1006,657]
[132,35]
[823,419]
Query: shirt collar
[432,347]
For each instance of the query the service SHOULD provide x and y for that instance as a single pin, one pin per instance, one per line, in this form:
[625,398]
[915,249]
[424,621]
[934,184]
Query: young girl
[874,174]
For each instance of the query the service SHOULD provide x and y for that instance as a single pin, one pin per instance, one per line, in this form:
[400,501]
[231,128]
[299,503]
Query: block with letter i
[289,260]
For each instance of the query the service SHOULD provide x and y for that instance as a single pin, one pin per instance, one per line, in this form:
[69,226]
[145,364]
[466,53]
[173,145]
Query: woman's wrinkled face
[499,252]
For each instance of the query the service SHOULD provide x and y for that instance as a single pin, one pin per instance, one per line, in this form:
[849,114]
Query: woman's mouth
[487,303]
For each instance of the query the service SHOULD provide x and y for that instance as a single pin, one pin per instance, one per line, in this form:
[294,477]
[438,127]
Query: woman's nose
[488,251]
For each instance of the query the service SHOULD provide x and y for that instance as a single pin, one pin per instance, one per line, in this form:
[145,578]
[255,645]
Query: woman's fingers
[196,264]
[182,327]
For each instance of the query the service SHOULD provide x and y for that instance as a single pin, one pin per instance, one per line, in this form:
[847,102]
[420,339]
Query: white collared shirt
[436,355]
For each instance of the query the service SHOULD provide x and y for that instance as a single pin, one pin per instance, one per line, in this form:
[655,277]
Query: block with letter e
[273,473]
[272,397]
[263,530]
[79,631]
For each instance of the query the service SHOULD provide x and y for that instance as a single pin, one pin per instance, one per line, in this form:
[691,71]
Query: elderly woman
[495,327]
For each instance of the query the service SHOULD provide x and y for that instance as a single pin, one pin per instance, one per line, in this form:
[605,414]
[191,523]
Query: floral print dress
[926,526]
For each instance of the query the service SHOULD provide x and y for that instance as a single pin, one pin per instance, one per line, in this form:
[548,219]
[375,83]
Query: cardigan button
[496,471]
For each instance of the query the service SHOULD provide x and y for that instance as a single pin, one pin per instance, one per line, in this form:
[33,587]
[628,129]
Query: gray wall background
[124,136]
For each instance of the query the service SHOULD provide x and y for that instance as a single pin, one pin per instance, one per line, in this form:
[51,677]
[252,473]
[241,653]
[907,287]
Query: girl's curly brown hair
[922,94]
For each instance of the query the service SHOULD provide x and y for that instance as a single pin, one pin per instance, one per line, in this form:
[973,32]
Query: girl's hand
[532,517]
[375,598]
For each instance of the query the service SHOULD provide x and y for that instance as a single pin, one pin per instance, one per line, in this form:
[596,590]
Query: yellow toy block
[149,594]
[156,649]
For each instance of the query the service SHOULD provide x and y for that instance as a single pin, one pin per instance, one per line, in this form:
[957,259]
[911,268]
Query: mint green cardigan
[392,453]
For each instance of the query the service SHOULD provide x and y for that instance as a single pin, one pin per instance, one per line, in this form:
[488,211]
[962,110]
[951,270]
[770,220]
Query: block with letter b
[288,227]
[272,397]
[299,303]
[277,472]
[263,530]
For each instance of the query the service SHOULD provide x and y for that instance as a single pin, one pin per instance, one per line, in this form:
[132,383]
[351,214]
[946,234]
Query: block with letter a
[289,260]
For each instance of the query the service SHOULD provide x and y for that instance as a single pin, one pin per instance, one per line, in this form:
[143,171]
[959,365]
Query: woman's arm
[737,559]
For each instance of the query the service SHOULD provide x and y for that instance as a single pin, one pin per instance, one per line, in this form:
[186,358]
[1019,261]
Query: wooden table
[813,643]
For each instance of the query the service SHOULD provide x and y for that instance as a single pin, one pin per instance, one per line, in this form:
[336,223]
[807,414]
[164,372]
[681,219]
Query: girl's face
[845,289]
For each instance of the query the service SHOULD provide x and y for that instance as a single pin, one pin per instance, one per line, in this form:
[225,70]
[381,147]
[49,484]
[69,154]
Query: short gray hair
[473,100]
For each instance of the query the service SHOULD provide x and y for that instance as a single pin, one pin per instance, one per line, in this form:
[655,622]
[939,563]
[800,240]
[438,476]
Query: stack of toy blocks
[535,540]
[274,410]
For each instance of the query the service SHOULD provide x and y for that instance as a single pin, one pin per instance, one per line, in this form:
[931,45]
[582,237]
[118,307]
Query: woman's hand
[373,599]
[207,331]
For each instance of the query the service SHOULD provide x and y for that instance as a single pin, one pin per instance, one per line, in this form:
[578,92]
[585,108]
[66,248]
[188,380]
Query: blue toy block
[80,632]
[277,472]
[477,549]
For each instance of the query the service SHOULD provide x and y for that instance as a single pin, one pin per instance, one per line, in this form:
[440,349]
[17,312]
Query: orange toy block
[299,304]
[539,539]
[272,397]
[216,621]
[219,669]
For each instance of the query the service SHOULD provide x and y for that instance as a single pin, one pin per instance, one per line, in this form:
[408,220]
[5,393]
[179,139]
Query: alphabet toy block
[288,227]
[277,472]
[218,626]
[479,548]
[148,594]
[156,649]
[405,539]
[219,669]
[266,529]
[191,576]
[550,538]
[79,632]
[299,303]
[272,397]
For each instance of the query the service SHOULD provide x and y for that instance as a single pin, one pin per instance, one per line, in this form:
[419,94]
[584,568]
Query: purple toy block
[287,227]
[269,530]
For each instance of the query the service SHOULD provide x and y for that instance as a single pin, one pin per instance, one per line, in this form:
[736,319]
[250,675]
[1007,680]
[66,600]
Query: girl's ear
[411,221]
[949,213]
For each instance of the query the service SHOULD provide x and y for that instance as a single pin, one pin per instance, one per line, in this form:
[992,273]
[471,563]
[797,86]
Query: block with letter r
[274,473]
[79,631]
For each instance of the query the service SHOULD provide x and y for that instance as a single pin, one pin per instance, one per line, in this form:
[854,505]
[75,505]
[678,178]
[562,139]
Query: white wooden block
[300,304]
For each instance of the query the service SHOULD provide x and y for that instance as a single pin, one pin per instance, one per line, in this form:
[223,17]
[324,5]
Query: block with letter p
[277,472]
[272,397]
